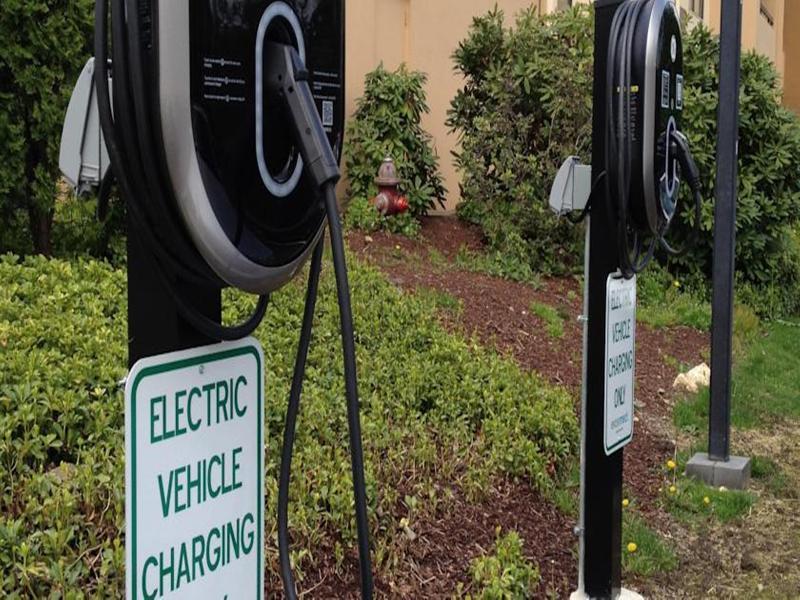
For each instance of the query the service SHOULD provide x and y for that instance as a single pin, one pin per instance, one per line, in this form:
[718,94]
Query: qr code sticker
[665,81]
[327,113]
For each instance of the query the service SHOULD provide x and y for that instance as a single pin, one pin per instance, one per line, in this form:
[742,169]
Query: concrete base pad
[734,474]
[623,595]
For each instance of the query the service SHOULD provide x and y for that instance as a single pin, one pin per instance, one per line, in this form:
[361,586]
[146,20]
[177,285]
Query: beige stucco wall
[791,51]
[423,34]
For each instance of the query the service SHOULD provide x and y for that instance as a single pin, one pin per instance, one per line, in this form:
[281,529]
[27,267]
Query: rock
[368,239]
[692,381]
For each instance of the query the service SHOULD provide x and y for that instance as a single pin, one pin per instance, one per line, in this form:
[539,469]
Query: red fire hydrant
[389,200]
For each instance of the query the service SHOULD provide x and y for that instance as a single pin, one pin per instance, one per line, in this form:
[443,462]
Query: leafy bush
[525,106]
[77,231]
[505,575]
[436,408]
[768,207]
[387,123]
[361,214]
[45,44]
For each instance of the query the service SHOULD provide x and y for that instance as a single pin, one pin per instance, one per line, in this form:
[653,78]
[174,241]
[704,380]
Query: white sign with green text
[194,474]
[620,362]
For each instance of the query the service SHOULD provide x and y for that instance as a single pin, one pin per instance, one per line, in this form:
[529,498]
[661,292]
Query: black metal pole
[719,421]
[602,497]
[154,323]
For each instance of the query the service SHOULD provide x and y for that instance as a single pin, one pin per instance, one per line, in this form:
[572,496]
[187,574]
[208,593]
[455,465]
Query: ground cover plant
[505,573]
[441,416]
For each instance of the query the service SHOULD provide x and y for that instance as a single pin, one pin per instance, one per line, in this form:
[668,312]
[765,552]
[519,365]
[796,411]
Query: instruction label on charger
[620,362]
[194,474]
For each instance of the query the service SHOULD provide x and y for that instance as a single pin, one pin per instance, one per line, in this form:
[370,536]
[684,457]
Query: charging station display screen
[250,168]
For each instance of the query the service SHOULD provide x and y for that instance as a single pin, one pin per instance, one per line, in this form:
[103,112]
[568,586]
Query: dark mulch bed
[498,312]
[439,559]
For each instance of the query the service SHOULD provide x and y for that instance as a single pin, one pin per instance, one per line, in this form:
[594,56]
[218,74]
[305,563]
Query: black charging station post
[155,325]
[601,568]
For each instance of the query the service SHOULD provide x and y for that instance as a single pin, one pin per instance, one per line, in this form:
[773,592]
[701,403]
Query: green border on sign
[183,364]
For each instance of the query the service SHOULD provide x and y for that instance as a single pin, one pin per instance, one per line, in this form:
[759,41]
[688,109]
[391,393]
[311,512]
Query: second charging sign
[620,362]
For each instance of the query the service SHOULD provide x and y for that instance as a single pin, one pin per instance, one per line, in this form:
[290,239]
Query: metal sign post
[725,231]
[601,494]
[718,467]
[154,322]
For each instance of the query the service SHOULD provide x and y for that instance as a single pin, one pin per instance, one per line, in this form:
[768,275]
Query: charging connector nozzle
[288,77]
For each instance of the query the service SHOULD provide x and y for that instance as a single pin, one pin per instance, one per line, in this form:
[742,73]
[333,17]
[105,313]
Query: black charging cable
[290,427]
[130,138]
[287,76]
[635,257]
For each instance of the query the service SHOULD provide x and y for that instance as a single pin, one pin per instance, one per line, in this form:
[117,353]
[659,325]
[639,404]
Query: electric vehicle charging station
[223,123]
[629,198]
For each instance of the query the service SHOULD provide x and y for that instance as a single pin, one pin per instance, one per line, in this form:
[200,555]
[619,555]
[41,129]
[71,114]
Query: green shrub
[436,408]
[361,214]
[506,574]
[77,231]
[387,123]
[45,44]
[768,206]
[525,106]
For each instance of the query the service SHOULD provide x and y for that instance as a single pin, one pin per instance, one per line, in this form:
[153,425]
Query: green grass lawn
[766,383]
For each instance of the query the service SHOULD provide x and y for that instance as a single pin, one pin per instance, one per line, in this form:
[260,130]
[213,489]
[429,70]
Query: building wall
[791,50]
[423,34]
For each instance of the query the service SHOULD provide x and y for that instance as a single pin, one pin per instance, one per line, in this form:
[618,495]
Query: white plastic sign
[194,474]
[620,362]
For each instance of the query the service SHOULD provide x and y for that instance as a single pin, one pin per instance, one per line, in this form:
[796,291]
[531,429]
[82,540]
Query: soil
[438,561]
[498,312]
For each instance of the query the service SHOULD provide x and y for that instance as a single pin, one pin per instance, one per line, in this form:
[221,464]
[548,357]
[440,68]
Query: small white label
[194,474]
[679,92]
[620,362]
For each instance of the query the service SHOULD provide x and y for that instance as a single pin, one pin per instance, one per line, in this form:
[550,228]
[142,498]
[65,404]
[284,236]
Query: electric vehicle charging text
[223,122]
